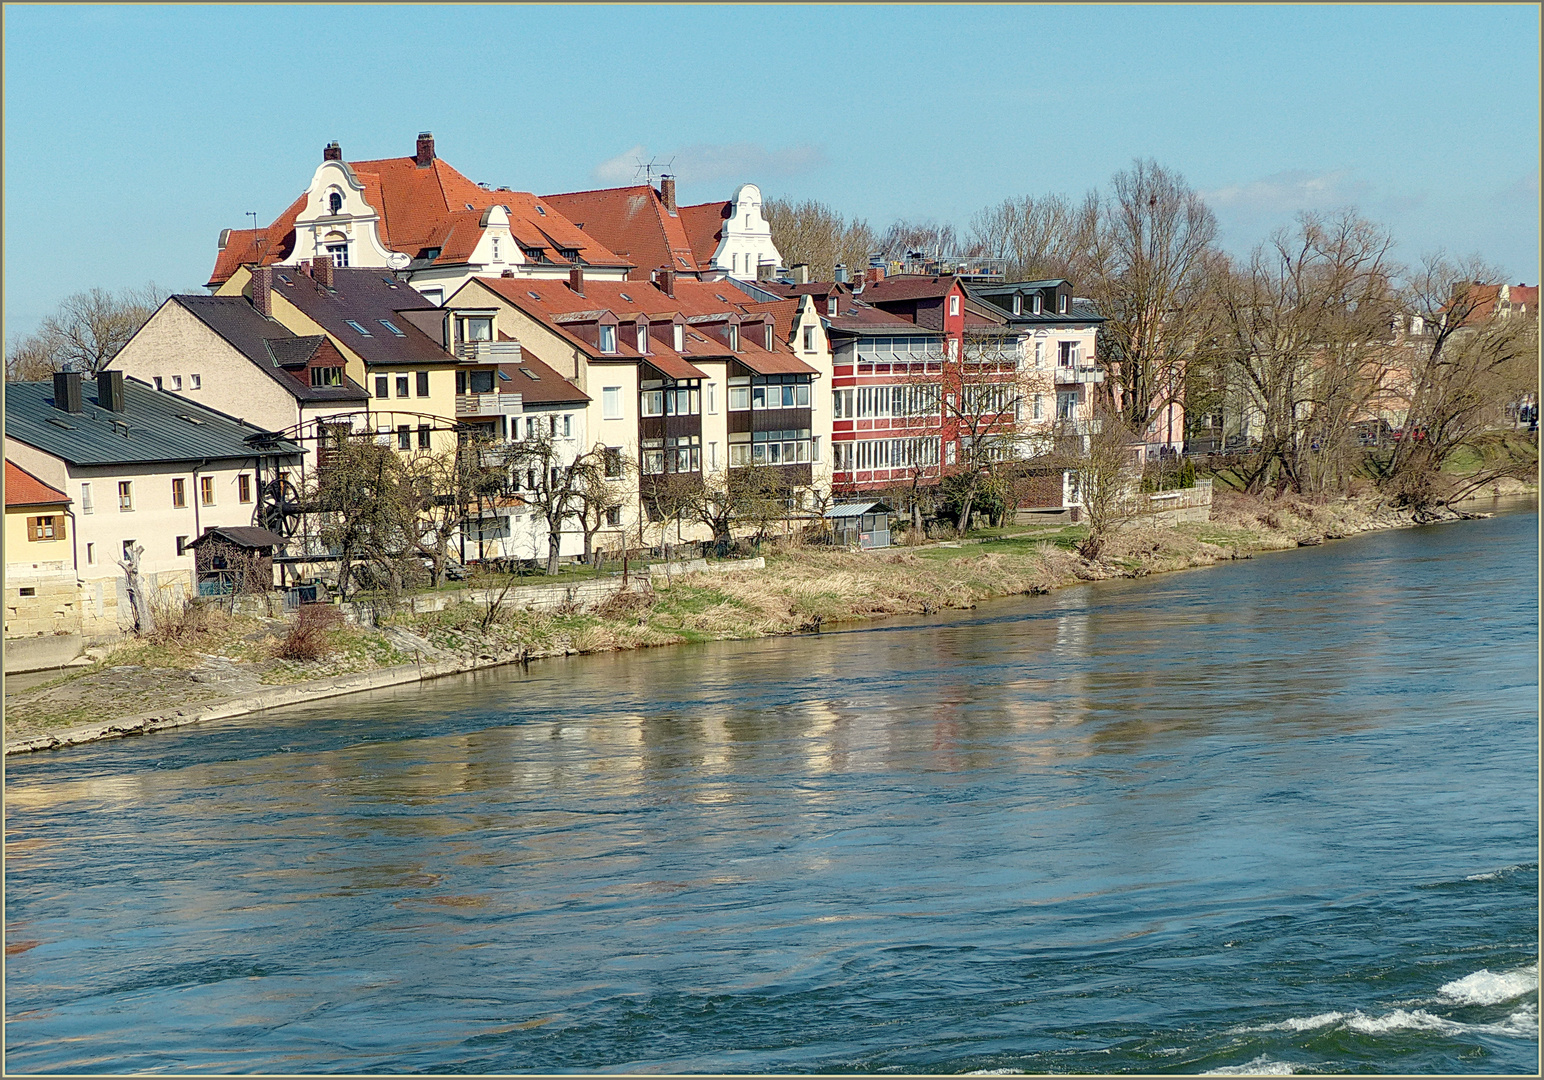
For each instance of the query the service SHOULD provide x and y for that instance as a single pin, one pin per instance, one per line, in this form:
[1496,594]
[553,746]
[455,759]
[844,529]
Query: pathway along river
[1277,814]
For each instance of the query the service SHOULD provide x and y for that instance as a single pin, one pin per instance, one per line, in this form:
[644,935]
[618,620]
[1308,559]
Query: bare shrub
[182,621]
[307,639]
[624,605]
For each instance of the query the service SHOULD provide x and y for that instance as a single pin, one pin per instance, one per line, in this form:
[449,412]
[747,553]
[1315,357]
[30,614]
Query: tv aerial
[646,170]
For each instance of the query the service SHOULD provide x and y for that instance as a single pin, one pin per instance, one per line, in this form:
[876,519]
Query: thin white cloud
[707,162]
[621,168]
[1292,190]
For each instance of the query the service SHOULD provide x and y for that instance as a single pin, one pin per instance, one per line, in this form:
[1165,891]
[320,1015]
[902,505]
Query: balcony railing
[1079,373]
[489,352]
[488,404]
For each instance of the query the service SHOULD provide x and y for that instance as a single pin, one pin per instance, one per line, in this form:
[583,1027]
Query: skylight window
[533,296]
[541,210]
[624,296]
[190,419]
[725,299]
[529,374]
[360,329]
[388,325]
[286,279]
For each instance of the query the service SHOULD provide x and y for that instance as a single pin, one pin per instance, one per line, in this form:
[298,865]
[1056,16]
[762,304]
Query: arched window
[335,202]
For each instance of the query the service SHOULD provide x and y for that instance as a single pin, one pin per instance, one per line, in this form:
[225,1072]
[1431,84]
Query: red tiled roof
[419,208]
[24,489]
[704,224]
[555,303]
[633,222]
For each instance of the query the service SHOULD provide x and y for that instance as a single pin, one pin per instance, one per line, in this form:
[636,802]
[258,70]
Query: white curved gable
[747,236]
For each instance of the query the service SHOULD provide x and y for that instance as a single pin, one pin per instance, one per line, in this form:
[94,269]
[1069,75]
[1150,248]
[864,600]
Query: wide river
[1276,815]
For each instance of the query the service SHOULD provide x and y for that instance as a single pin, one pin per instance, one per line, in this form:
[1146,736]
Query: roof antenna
[253,215]
[647,169]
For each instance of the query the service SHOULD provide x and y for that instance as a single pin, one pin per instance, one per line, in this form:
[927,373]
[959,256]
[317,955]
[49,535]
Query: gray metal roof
[247,536]
[154,426]
[846,510]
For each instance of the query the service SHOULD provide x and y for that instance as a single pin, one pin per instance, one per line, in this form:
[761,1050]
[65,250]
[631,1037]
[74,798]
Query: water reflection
[1018,830]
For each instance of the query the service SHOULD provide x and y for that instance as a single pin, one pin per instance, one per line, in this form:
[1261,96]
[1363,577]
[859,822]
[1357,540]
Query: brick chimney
[665,280]
[67,391]
[576,279]
[425,156]
[110,390]
[262,290]
[667,192]
[321,270]
[332,152]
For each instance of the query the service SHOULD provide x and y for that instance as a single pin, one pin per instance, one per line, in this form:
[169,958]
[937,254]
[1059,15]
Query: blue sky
[133,134]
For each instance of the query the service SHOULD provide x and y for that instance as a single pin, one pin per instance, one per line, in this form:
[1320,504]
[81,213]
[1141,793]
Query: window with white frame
[678,337]
[954,305]
[1034,304]
[830,306]
[608,338]
[1067,353]
[1066,404]
[611,402]
[339,253]
[734,337]
[85,499]
[643,338]
[176,382]
[809,339]
[1061,304]
[711,393]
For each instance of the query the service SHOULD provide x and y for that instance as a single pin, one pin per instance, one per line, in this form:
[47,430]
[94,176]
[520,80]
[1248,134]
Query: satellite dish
[398,260]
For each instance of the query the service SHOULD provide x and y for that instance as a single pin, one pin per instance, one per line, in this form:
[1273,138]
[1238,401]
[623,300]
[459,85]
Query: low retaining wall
[666,571]
[39,653]
[576,597]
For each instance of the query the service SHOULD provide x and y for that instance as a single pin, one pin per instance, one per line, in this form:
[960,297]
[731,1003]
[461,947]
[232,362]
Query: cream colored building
[141,468]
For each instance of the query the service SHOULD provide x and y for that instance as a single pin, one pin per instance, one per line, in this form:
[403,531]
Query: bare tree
[811,232]
[1044,237]
[444,485]
[559,488]
[139,596]
[1305,328]
[1465,366]
[927,237]
[84,333]
[602,488]
[1147,257]
[1104,475]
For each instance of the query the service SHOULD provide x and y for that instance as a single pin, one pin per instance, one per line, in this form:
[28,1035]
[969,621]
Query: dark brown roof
[247,536]
[267,344]
[909,287]
[370,298]
[538,383]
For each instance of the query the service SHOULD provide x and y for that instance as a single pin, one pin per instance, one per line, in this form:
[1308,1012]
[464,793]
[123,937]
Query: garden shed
[866,524]
[234,559]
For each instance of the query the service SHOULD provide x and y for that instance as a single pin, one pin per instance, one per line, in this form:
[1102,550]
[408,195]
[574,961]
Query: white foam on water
[994,1072]
[1296,1023]
[1401,1020]
[1260,1066]
[1492,875]
[1485,987]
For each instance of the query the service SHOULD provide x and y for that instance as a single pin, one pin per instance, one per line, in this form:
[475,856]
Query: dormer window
[831,305]
[1061,304]
[335,202]
[680,337]
[339,253]
[608,339]
[734,338]
[1018,304]
[1034,304]
[767,334]
[643,338]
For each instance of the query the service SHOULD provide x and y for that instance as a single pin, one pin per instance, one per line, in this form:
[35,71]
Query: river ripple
[1274,815]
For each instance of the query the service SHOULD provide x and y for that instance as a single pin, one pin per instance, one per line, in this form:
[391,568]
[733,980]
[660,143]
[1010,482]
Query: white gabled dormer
[746,236]
[496,248]
[337,220]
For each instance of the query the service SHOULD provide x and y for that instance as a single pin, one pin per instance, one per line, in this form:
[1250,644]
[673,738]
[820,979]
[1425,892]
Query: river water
[1276,815]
